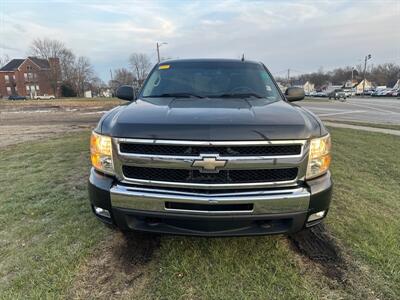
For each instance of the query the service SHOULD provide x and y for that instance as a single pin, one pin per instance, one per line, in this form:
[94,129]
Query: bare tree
[82,75]
[49,49]
[46,48]
[140,64]
[96,85]
[123,76]
[4,59]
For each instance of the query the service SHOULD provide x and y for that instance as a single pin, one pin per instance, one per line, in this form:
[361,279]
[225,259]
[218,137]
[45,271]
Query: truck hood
[210,119]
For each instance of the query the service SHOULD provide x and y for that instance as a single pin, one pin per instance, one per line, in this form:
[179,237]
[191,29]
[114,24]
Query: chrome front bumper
[262,202]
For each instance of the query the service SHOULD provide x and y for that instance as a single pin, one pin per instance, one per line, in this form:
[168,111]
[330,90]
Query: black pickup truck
[210,147]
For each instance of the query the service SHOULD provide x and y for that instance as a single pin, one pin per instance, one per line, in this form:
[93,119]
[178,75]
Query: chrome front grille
[210,165]
[229,150]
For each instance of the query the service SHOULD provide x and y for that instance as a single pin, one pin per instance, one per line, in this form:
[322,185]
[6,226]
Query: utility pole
[158,50]
[365,70]
[288,76]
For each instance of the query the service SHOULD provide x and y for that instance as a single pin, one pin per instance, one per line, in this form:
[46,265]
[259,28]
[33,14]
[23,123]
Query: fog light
[102,212]
[316,216]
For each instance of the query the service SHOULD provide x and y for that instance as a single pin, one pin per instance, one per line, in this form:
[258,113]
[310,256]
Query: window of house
[29,68]
[37,87]
[7,78]
[27,87]
[14,77]
[26,76]
[16,89]
[9,90]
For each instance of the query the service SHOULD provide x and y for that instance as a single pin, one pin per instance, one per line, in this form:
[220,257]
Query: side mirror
[294,94]
[125,92]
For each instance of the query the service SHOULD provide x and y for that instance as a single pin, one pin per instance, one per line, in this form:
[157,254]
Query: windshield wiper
[237,95]
[175,95]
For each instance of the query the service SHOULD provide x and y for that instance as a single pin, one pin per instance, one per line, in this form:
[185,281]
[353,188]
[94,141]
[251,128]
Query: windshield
[210,79]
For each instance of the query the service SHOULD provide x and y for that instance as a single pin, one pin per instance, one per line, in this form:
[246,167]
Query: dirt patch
[117,269]
[22,122]
[319,246]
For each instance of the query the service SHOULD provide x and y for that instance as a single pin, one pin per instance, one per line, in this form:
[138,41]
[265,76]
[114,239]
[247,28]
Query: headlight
[320,156]
[101,153]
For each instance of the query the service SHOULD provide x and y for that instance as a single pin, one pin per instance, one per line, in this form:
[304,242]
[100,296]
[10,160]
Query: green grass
[46,224]
[366,205]
[374,125]
[48,232]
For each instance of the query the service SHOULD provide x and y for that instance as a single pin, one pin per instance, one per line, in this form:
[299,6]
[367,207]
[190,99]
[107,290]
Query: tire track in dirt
[322,254]
[117,269]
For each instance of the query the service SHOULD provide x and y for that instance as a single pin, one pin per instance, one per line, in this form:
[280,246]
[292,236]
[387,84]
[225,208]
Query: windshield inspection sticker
[163,67]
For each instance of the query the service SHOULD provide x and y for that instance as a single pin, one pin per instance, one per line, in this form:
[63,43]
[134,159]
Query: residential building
[368,86]
[30,77]
[307,86]
[397,85]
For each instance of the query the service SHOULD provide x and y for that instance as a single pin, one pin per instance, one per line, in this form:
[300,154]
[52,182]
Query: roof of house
[12,65]
[15,63]
[43,63]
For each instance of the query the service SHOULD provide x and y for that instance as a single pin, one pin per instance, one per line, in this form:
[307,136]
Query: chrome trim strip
[210,186]
[208,143]
[264,202]
[232,162]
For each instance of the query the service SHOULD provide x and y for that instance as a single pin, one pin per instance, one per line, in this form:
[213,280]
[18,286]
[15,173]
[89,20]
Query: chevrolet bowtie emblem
[209,164]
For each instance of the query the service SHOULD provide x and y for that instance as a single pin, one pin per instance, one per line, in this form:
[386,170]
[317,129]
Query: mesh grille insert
[186,150]
[224,176]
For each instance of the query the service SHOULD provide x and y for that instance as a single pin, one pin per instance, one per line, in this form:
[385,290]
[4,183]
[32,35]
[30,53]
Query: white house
[359,87]
[397,85]
[309,87]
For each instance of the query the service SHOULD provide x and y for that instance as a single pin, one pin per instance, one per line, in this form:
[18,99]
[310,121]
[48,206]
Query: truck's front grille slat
[223,176]
[190,150]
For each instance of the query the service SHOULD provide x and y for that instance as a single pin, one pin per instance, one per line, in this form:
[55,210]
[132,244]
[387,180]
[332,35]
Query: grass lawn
[375,125]
[50,243]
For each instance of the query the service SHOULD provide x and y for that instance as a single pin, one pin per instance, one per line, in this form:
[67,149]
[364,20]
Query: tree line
[75,74]
[139,67]
[381,74]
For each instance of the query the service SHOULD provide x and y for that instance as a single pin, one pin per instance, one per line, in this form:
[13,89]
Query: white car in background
[45,97]
[348,93]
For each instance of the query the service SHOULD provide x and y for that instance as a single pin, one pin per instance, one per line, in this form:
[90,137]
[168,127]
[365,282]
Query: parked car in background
[44,97]
[388,92]
[320,94]
[348,93]
[16,97]
[337,94]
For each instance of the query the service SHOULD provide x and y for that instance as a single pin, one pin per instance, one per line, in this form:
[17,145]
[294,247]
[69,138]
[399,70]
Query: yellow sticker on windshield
[163,67]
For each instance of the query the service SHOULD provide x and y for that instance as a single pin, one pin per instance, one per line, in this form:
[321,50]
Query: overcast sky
[301,35]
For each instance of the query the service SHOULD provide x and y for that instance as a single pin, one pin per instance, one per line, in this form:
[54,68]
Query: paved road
[375,110]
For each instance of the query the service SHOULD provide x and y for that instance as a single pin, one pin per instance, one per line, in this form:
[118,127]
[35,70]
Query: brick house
[30,77]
